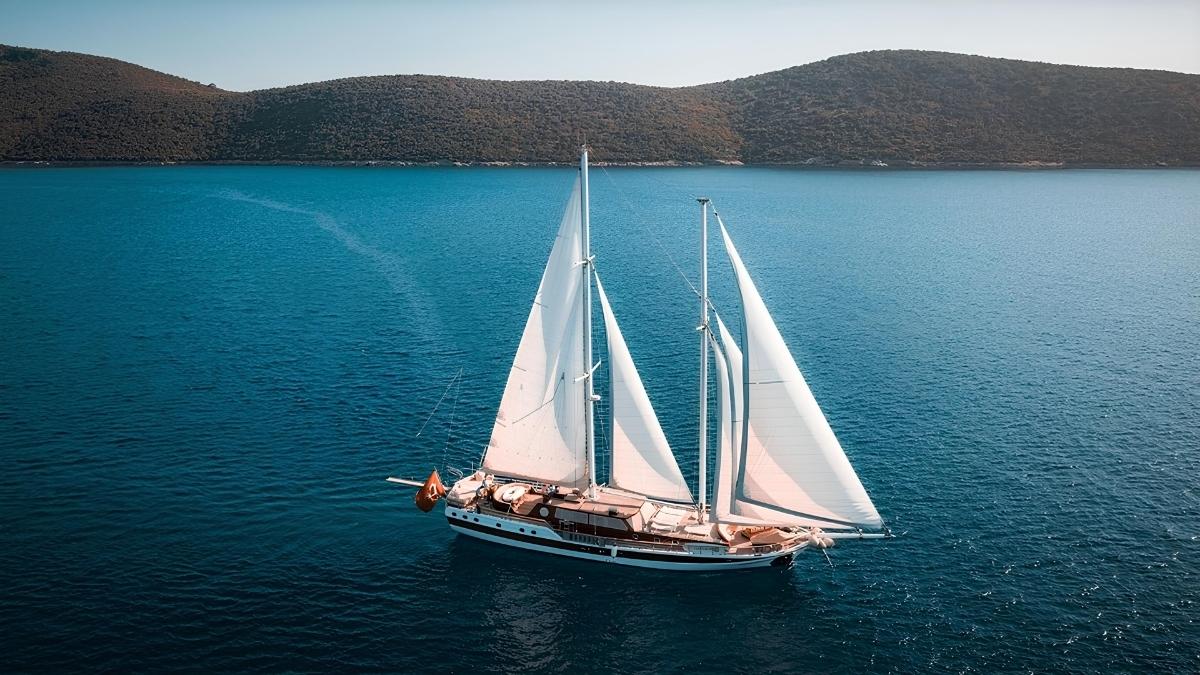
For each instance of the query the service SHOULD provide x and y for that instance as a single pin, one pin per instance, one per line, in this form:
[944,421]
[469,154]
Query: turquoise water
[206,373]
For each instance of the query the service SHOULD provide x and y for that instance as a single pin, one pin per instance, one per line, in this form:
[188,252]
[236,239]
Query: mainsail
[539,430]
[642,461]
[728,430]
[788,462]
[727,509]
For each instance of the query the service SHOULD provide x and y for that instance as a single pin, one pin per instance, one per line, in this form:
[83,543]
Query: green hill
[896,106]
[939,107]
[64,106]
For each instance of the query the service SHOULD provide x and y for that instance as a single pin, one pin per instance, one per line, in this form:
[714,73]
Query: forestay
[539,429]
[642,460]
[789,461]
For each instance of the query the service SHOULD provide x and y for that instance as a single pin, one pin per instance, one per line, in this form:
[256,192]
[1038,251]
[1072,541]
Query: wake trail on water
[425,342]
[426,323]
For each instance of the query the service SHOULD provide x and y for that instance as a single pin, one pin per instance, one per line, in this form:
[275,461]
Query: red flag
[429,494]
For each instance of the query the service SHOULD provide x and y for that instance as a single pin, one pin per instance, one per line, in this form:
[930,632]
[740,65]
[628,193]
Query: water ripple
[205,373]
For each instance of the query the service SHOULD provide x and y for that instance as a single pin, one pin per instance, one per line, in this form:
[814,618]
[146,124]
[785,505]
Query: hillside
[422,119]
[939,107]
[900,107]
[65,106]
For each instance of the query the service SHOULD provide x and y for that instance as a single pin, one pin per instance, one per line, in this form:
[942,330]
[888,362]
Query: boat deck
[644,521]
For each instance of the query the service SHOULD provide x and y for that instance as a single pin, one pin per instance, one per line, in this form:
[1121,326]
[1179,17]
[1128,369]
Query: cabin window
[571,516]
[608,522]
[593,519]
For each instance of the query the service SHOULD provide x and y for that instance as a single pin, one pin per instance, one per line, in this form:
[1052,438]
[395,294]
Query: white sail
[642,461]
[728,429]
[539,429]
[789,461]
[726,508]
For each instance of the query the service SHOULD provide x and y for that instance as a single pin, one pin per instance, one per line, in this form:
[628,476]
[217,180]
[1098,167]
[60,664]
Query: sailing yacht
[783,483]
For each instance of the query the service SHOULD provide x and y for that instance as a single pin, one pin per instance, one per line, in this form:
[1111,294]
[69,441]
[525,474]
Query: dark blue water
[206,373]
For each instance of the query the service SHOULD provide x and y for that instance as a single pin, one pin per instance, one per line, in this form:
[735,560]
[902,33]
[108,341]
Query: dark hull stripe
[595,550]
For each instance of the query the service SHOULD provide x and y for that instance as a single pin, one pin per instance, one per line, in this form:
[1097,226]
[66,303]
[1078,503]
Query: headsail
[539,429]
[789,461]
[642,461]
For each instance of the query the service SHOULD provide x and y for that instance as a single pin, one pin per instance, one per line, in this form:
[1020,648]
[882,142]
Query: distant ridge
[899,108]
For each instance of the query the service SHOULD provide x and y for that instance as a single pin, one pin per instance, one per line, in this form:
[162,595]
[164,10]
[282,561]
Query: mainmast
[703,491]
[589,394]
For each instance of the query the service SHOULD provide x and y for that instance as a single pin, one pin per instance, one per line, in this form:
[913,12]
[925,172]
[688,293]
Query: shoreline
[858,165]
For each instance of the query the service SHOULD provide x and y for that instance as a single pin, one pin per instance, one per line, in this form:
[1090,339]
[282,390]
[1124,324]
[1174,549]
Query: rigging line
[722,224]
[453,410]
[658,242]
[435,407]
[553,395]
[607,444]
[653,236]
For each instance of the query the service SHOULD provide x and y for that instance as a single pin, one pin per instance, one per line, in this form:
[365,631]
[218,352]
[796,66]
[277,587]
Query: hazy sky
[255,44]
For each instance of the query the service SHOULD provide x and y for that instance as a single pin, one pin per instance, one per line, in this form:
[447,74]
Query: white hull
[543,539]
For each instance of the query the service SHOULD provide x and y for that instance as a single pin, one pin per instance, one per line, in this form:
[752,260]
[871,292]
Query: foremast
[589,393]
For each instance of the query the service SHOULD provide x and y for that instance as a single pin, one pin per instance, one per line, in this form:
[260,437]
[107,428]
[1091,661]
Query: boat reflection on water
[539,611]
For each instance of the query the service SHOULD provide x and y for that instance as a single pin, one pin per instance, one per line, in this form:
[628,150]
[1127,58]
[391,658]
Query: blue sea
[206,373]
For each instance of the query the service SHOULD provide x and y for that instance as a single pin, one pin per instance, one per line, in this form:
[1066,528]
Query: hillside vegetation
[898,107]
[939,107]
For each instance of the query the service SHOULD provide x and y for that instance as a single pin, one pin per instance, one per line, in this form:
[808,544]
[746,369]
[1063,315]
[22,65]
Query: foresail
[539,429]
[642,461]
[790,461]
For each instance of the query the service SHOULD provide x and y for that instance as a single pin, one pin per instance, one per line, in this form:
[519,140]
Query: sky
[268,43]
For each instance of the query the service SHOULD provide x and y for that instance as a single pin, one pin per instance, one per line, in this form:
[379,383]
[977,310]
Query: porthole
[543,512]
[522,529]
[499,525]
[477,520]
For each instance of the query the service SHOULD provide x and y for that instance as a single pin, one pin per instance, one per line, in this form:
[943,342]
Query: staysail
[642,461]
[789,461]
[539,429]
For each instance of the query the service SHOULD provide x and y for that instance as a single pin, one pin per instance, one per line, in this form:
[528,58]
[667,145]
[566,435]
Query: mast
[703,491]
[589,394]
